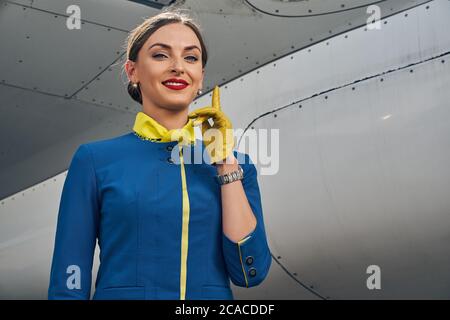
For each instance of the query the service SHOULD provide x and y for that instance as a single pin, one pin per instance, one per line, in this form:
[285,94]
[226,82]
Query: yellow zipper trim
[185,229]
[240,257]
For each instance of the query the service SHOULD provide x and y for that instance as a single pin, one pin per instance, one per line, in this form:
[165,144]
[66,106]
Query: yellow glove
[219,142]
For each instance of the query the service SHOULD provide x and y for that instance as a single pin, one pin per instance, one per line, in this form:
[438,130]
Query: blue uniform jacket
[126,192]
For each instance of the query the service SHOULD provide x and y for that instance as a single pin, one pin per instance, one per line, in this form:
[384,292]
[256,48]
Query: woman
[167,228]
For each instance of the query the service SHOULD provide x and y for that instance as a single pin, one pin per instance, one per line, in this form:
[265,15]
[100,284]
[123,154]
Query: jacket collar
[148,128]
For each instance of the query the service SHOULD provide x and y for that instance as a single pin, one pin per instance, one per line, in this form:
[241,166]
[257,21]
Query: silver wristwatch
[230,176]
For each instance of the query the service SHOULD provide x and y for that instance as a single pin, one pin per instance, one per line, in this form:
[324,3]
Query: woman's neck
[167,118]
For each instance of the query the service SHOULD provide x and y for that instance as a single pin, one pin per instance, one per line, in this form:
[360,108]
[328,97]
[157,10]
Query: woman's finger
[199,120]
[216,98]
[205,111]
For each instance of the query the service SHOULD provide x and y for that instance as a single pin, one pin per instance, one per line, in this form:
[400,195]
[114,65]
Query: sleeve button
[169,148]
[249,260]
[252,272]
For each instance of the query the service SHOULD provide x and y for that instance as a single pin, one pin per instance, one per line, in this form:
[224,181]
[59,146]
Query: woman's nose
[178,66]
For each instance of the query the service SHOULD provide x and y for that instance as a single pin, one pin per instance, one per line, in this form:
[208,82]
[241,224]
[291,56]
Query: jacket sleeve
[76,231]
[248,261]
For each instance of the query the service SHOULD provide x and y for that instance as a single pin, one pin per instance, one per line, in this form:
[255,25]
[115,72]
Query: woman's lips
[175,87]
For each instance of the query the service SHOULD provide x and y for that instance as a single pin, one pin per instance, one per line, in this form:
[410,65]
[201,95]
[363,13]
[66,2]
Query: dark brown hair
[138,36]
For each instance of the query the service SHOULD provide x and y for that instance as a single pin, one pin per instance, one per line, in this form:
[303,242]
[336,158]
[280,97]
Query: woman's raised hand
[219,137]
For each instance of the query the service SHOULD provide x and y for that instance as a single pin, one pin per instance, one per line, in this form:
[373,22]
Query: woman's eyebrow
[169,47]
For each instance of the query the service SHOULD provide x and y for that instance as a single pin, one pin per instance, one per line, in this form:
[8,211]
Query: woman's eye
[158,55]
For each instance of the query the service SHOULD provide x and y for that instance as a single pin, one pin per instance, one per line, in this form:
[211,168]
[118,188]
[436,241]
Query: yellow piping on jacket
[240,258]
[184,230]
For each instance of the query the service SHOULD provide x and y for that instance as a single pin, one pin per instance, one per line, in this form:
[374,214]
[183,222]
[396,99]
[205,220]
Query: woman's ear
[130,68]
[203,75]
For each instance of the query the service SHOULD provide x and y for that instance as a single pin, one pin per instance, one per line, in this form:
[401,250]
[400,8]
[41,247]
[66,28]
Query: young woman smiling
[167,228]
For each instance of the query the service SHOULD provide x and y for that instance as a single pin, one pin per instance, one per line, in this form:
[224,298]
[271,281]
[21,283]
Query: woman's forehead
[175,35]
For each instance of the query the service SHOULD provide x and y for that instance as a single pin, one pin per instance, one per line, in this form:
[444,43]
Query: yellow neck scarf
[148,128]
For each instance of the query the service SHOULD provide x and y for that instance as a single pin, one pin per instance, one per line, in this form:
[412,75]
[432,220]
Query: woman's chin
[177,105]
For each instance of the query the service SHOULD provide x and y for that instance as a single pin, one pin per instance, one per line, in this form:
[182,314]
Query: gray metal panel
[58,61]
[116,14]
[365,181]
[309,8]
[391,210]
[45,56]
[31,139]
